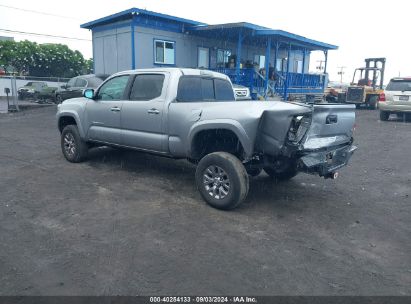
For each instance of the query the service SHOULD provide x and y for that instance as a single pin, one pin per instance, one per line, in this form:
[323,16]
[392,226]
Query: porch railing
[283,85]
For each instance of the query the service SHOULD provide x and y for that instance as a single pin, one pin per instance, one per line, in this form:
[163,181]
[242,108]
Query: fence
[44,87]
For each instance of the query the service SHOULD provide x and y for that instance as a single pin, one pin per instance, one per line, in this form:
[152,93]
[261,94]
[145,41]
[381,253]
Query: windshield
[399,85]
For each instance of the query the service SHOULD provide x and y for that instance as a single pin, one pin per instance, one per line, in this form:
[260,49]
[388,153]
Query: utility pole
[341,72]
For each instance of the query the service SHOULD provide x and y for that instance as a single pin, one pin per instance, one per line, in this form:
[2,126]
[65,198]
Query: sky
[361,28]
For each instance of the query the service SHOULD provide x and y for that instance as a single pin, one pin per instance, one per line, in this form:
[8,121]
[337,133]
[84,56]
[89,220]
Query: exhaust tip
[332,175]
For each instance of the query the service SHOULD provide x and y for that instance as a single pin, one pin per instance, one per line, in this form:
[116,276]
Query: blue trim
[111,27]
[136,11]
[155,20]
[133,48]
[154,53]
[298,38]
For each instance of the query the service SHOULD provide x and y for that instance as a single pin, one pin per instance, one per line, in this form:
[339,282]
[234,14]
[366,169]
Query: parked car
[396,99]
[192,114]
[241,92]
[36,90]
[75,86]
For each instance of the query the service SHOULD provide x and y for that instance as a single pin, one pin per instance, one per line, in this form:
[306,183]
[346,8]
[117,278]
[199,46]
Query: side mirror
[64,86]
[88,93]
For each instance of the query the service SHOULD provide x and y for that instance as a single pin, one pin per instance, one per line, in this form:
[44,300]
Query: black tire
[358,106]
[373,102]
[384,115]
[74,149]
[287,171]
[234,174]
[254,172]
[59,99]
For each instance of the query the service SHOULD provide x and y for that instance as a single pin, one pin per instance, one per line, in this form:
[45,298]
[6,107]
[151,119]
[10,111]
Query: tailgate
[332,124]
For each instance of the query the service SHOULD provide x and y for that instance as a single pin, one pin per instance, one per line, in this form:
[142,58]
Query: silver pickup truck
[192,114]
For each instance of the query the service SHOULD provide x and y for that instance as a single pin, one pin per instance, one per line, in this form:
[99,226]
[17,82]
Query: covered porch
[285,55]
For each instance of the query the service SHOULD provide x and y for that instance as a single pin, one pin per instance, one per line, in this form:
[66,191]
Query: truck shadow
[179,176]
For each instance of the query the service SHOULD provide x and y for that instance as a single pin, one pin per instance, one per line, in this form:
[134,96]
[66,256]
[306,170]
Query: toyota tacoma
[192,114]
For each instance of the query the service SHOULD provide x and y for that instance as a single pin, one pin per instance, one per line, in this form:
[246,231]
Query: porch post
[238,58]
[303,72]
[325,68]
[287,78]
[267,65]
[133,47]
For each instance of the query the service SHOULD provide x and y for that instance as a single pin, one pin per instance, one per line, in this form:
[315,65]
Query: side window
[223,90]
[113,89]
[147,87]
[207,89]
[71,82]
[189,89]
[80,83]
[195,88]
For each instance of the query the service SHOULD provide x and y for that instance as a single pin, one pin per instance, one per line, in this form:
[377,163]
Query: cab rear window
[399,85]
[201,89]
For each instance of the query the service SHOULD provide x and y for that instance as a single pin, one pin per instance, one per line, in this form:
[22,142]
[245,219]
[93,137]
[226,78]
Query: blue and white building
[138,38]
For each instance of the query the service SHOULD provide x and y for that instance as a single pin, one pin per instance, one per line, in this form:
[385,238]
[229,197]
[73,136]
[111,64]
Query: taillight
[382,97]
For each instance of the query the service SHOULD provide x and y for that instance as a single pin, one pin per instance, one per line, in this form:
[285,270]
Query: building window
[298,66]
[222,58]
[260,61]
[164,52]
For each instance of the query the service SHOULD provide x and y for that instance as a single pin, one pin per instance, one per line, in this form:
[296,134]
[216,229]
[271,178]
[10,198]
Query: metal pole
[303,71]
[325,68]
[133,47]
[238,58]
[267,65]
[14,92]
[287,78]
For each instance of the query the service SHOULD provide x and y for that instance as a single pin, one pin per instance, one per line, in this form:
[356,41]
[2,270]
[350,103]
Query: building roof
[251,32]
[124,15]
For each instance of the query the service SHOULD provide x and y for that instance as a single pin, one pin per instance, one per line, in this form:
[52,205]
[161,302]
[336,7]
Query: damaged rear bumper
[326,162]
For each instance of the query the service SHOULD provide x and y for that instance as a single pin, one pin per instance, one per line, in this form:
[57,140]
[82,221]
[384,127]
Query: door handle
[153,111]
[115,109]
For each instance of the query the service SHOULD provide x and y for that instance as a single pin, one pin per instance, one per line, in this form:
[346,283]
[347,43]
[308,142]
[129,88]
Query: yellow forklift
[366,87]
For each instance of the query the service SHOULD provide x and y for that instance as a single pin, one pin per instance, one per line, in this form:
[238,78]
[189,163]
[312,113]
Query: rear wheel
[282,171]
[373,102]
[384,115]
[222,180]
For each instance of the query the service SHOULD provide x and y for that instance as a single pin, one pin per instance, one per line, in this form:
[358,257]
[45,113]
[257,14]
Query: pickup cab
[192,114]
[36,90]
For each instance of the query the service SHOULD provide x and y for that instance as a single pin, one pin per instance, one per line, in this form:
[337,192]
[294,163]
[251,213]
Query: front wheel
[74,149]
[222,180]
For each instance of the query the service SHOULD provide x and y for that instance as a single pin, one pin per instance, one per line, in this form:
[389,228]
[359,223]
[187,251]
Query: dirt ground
[127,223]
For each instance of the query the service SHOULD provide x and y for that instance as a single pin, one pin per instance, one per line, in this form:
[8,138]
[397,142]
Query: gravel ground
[127,223]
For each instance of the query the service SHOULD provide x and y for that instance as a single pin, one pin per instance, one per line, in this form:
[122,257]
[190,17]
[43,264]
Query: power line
[38,12]
[42,35]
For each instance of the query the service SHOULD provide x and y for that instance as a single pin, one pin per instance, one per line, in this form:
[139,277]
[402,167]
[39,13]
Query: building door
[203,57]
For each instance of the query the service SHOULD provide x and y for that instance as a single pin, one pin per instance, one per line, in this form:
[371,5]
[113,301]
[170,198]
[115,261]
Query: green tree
[47,60]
